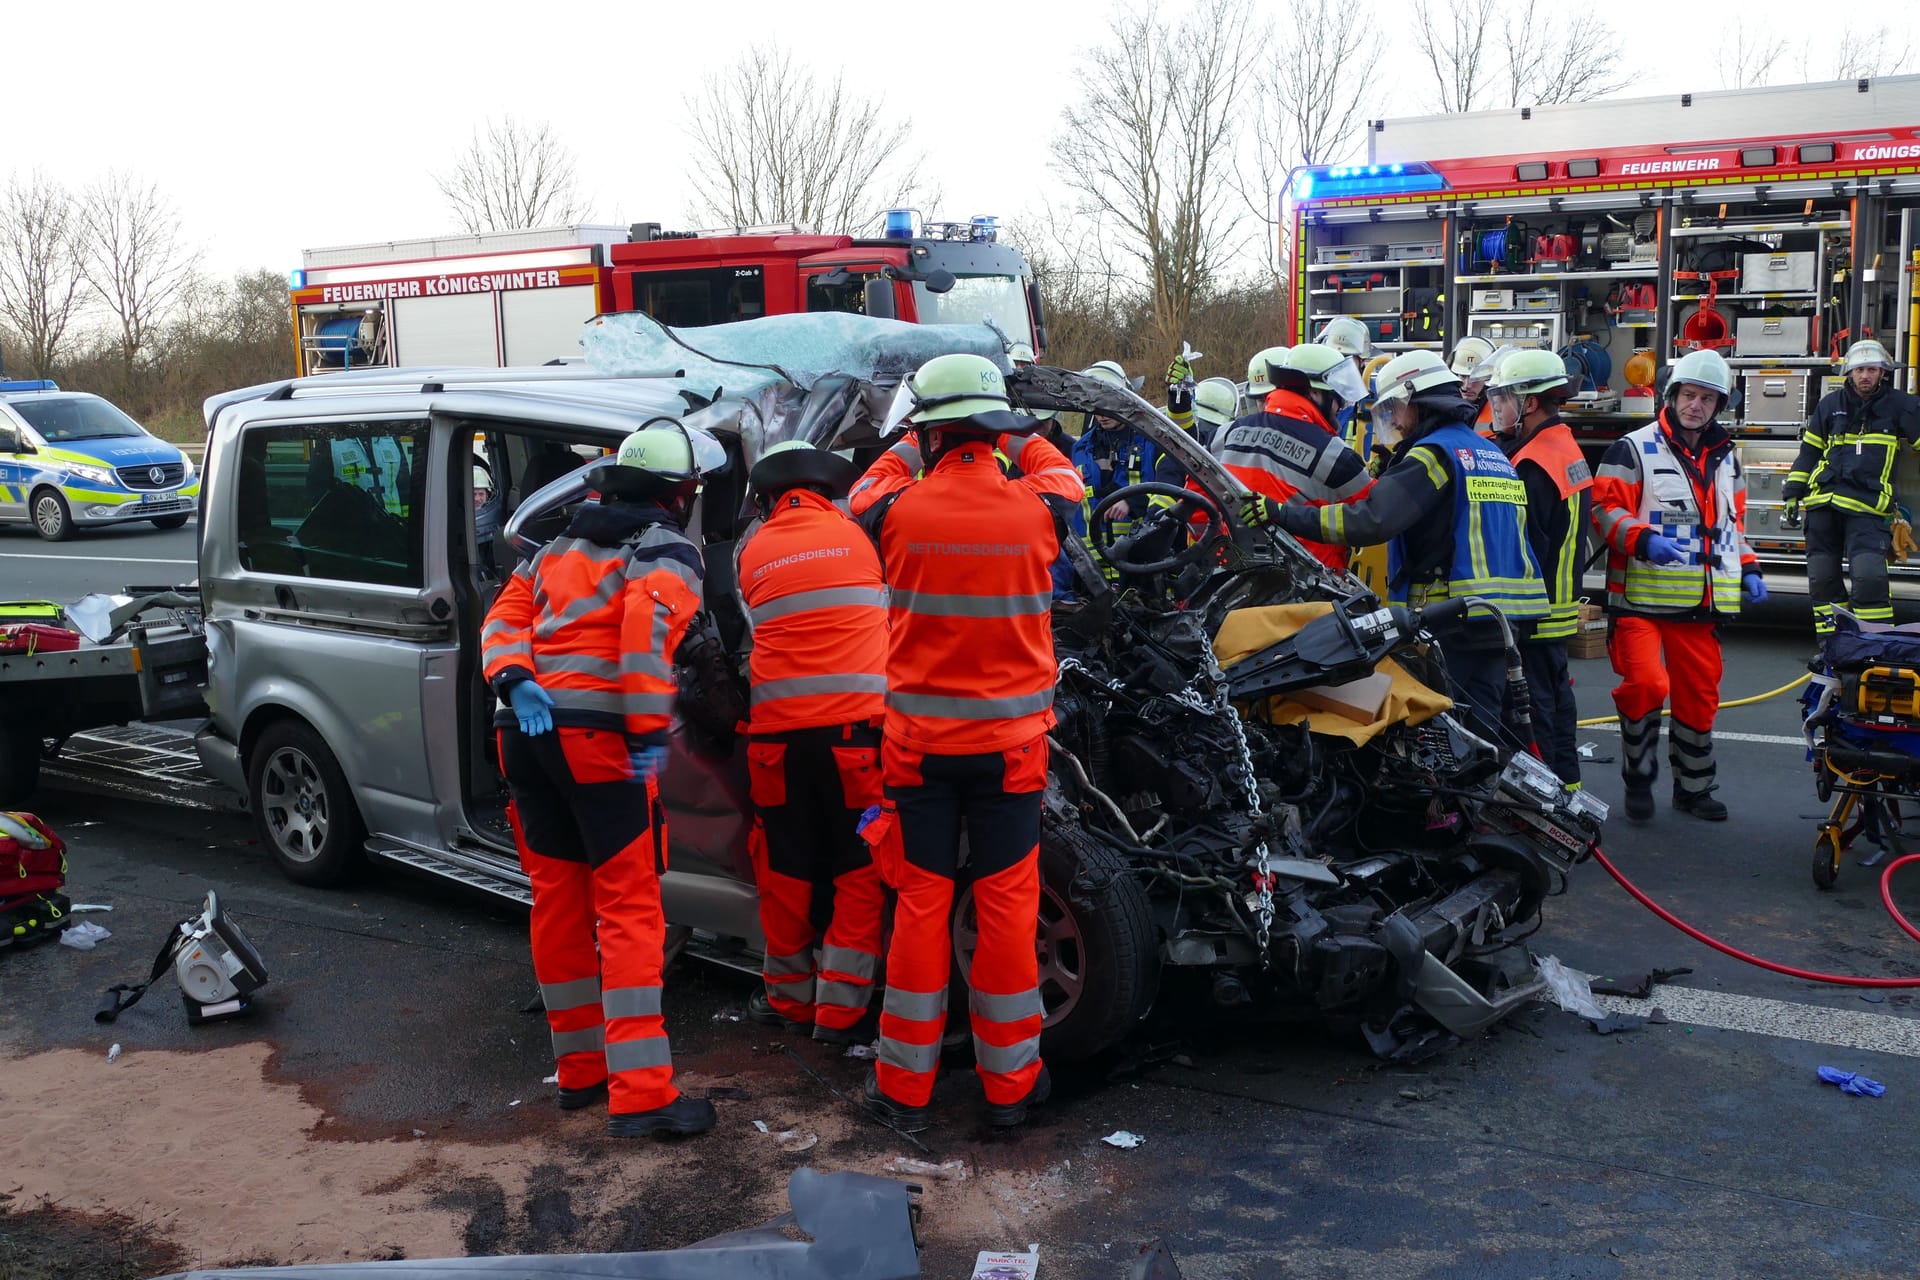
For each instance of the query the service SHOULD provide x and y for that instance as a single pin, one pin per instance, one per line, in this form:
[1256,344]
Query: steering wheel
[1189,502]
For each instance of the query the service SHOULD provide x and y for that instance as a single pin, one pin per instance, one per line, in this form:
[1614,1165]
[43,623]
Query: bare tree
[1307,107]
[772,144]
[1484,54]
[41,283]
[512,176]
[1880,52]
[1745,58]
[1145,147]
[133,257]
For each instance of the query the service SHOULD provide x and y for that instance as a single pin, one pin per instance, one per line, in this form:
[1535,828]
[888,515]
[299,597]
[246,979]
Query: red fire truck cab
[521,297]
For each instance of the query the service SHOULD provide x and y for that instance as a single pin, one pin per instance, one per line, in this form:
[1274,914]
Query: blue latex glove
[533,705]
[1755,586]
[649,763]
[1851,1082]
[1662,550]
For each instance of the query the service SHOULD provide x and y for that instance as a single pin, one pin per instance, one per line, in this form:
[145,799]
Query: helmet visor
[1344,381]
[709,455]
[1505,403]
[897,411]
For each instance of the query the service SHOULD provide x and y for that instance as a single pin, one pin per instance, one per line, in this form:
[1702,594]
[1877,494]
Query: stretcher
[1862,722]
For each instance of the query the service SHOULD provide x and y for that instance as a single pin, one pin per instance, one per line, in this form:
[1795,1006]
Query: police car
[71,460]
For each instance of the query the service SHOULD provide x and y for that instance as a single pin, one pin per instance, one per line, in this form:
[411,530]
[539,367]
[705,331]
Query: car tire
[19,765]
[52,519]
[1099,956]
[302,806]
[170,522]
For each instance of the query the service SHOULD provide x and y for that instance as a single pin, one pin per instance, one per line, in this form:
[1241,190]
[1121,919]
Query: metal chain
[1250,786]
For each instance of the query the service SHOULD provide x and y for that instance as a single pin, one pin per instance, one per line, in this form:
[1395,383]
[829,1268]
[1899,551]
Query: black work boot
[1699,804]
[858,1033]
[682,1117]
[574,1099]
[760,1009]
[1007,1115]
[1640,799]
[897,1114]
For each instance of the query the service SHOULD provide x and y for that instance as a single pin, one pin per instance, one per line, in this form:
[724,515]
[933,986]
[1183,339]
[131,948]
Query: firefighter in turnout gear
[580,645]
[1291,446]
[1453,512]
[970,674]
[1670,502]
[1525,396]
[816,602]
[1844,478]
[1111,455]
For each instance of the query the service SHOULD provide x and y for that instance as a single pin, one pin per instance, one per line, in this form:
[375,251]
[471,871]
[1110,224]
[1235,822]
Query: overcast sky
[279,127]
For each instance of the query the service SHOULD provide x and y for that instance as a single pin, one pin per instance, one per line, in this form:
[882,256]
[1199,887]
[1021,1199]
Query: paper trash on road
[113,1053]
[789,1140]
[945,1171]
[862,1051]
[84,935]
[1124,1140]
[991,1265]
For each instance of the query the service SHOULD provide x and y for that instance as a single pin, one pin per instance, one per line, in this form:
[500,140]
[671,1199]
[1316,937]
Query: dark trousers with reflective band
[1865,541]
[820,896]
[1555,717]
[1656,658]
[995,798]
[594,841]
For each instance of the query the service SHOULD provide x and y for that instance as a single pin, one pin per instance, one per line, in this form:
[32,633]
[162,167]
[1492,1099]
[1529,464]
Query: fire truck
[521,297]
[1772,225]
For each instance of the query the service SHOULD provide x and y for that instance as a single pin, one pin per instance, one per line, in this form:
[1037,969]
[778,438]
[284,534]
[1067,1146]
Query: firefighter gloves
[1259,511]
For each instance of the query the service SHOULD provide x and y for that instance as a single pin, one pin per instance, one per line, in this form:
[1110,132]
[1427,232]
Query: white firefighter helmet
[1468,355]
[1406,376]
[1348,336]
[1866,354]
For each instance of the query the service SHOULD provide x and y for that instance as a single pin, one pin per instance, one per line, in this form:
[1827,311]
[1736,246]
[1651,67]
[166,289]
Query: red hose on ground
[1834,979]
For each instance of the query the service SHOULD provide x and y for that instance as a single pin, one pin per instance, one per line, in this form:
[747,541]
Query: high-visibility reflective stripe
[645,664]
[933,605]
[794,989]
[917,1058]
[825,598]
[570,995]
[842,995]
[611,701]
[587,1041]
[578,664]
[799,963]
[806,686]
[634,1055]
[916,1006]
[631,1002]
[846,960]
[497,628]
[1008,1008]
[1005,1059]
[497,652]
[922,704]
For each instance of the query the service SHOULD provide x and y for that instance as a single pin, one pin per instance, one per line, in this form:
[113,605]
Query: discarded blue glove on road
[1850,1082]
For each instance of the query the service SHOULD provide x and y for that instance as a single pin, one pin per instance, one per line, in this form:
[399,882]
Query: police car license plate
[165,499]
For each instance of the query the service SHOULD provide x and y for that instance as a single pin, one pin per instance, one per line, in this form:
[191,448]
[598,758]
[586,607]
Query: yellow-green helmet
[1108,371]
[1530,371]
[949,388]
[1215,400]
[1259,383]
[664,456]
[1410,374]
[794,463]
[1348,336]
[1020,354]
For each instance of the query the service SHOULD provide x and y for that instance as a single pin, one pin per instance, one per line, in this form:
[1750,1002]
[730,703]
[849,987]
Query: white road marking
[1721,735]
[1814,1024]
[29,555]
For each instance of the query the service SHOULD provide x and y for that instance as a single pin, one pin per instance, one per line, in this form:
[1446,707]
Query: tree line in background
[1159,221]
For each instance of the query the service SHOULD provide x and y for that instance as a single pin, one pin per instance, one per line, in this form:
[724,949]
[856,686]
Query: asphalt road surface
[94,560]
[387,1098]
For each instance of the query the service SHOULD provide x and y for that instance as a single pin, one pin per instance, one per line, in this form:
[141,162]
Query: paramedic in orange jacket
[970,675]
[811,581]
[580,645]
[1670,502]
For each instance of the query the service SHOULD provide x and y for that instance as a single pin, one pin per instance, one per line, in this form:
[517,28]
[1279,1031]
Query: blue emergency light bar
[899,224]
[296,280]
[1344,182]
[30,384]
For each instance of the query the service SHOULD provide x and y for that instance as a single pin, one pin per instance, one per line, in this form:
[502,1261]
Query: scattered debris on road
[792,1141]
[992,1265]
[1852,1082]
[1124,1140]
[84,935]
[945,1171]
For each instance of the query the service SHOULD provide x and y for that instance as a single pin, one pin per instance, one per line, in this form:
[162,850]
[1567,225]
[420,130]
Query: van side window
[344,501]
